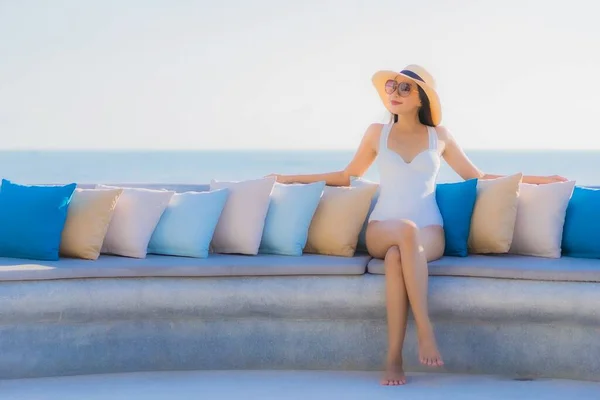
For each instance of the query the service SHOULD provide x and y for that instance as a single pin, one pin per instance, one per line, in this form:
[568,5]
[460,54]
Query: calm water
[201,166]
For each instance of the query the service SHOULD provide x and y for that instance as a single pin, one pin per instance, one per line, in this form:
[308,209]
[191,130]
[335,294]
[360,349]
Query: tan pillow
[88,218]
[338,220]
[494,215]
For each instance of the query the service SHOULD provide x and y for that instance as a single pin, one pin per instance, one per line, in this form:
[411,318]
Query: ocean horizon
[200,166]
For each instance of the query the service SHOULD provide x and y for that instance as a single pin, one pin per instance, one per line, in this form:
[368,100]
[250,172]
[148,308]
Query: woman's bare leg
[397,313]
[416,248]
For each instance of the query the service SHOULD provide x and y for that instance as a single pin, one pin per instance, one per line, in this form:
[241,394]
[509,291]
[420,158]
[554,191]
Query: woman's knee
[433,241]
[408,232]
[382,235]
[392,259]
[393,254]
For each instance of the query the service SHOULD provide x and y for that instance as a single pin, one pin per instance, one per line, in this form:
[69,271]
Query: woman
[405,228]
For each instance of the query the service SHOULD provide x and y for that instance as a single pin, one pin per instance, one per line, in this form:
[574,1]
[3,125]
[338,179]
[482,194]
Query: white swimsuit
[407,190]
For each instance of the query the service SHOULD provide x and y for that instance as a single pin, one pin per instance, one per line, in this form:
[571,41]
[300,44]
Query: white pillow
[541,214]
[136,215]
[240,227]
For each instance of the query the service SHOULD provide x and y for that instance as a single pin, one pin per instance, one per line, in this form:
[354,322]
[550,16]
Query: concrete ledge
[497,326]
[306,297]
[517,350]
[106,266]
[509,266]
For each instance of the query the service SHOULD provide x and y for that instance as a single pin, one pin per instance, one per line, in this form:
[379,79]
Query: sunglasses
[404,88]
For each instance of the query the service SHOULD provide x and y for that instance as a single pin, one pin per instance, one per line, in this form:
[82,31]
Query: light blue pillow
[32,219]
[582,224]
[187,226]
[291,209]
[456,202]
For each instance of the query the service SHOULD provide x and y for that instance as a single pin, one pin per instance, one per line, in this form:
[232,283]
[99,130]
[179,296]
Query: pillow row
[495,216]
[290,219]
[247,217]
[505,215]
[45,222]
[153,221]
[501,215]
[513,217]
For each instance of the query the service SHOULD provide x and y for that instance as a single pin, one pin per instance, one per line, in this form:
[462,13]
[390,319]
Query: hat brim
[381,77]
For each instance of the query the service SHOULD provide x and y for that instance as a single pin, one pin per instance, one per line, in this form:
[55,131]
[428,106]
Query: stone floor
[289,385]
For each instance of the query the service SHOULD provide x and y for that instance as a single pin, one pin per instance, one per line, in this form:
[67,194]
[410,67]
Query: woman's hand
[552,179]
[278,178]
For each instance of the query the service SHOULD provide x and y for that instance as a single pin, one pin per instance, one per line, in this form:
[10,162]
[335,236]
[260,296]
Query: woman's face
[403,96]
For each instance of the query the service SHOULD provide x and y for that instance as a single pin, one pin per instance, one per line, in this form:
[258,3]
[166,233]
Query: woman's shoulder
[375,127]
[444,137]
[372,135]
[373,131]
[443,132]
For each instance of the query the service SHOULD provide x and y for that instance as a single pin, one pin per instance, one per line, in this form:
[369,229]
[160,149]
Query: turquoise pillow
[582,224]
[291,209]
[456,202]
[32,219]
[187,225]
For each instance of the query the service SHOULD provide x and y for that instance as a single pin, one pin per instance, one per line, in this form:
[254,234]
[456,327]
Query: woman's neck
[408,123]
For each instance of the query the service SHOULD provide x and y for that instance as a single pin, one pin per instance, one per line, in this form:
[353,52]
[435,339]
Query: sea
[57,167]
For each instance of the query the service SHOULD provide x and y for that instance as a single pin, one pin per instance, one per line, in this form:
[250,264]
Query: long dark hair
[424,111]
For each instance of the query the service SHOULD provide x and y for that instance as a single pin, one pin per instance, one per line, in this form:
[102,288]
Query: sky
[271,74]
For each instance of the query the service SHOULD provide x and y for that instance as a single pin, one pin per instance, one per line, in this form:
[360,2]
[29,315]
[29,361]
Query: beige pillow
[242,221]
[338,220]
[137,214]
[494,215]
[540,219]
[88,218]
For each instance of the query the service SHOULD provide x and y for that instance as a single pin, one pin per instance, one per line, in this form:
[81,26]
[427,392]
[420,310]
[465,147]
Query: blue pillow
[187,225]
[456,202]
[32,219]
[291,209]
[582,224]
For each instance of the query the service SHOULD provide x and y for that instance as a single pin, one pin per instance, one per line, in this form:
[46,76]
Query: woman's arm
[362,160]
[462,165]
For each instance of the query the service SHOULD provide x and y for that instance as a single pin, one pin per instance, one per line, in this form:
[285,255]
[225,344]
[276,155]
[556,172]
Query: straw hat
[418,75]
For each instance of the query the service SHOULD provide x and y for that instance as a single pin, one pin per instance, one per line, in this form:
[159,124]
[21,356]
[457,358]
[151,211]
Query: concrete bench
[510,315]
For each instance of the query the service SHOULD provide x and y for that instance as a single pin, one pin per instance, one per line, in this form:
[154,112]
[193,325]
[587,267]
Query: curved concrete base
[291,385]
[486,326]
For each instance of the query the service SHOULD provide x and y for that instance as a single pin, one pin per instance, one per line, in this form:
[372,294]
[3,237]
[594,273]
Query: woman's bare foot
[394,374]
[428,351]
